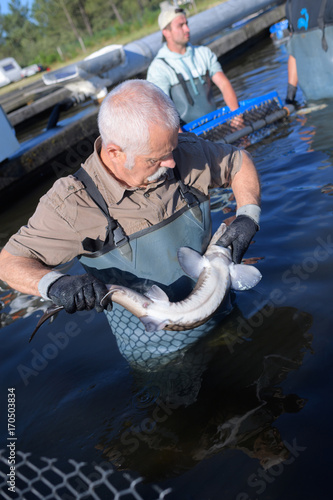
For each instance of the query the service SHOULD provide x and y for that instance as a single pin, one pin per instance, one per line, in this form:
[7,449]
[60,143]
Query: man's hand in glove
[239,235]
[76,293]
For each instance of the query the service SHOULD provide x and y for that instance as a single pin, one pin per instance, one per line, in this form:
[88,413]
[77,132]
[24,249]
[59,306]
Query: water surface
[247,414]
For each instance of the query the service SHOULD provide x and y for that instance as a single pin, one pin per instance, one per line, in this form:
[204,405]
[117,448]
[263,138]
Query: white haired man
[142,194]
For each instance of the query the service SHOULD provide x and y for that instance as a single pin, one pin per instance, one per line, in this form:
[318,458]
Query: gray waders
[192,100]
[145,258]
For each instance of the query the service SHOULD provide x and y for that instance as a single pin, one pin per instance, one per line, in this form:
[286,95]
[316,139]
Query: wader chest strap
[189,197]
[182,83]
[115,233]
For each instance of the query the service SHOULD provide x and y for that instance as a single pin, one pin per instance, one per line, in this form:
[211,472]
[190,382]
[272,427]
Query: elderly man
[184,72]
[142,194]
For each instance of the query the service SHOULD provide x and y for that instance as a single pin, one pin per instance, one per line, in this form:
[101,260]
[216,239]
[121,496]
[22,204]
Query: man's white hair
[128,113]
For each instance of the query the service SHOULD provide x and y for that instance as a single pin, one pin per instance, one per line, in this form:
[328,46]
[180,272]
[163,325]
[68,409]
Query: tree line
[60,30]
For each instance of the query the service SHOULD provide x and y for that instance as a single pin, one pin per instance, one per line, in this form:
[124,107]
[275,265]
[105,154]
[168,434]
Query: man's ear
[114,151]
[166,34]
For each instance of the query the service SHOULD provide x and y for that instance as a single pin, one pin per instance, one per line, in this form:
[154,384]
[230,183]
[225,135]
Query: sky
[4,5]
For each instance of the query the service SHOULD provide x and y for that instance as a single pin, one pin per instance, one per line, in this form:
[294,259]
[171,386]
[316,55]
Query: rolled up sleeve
[54,233]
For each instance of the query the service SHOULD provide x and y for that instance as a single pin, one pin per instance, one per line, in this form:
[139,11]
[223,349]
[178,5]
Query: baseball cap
[168,13]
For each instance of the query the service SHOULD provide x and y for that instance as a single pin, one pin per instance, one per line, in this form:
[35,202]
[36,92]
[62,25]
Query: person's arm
[73,293]
[29,261]
[21,273]
[246,188]
[245,183]
[292,71]
[229,95]
[292,80]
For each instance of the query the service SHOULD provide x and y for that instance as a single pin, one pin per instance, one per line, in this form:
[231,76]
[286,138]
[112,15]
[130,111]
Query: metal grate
[43,479]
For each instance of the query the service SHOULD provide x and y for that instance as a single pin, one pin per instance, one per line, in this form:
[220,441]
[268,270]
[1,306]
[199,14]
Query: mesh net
[43,479]
[153,350]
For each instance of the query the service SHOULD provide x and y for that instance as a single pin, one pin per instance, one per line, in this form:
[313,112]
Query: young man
[185,72]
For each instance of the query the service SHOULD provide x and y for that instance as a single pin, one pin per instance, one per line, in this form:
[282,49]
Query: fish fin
[244,277]
[156,294]
[191,261]
[152,324]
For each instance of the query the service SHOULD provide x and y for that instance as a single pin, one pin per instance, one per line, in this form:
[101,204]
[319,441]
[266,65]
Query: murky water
[247,415]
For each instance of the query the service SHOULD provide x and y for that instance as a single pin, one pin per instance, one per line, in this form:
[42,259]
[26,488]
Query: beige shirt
[66,215]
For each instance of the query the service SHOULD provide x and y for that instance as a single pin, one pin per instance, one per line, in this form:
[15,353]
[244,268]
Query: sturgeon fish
[216,274]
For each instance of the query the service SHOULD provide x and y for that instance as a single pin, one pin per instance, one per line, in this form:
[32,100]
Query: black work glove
[76,293]
[291,93]
[239,235]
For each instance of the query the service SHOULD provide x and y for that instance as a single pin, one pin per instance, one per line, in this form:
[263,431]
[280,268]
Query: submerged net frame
[44,479]
[257,113]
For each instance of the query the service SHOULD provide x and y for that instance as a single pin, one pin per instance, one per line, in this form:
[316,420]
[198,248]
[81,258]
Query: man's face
[179,32]
[149,168]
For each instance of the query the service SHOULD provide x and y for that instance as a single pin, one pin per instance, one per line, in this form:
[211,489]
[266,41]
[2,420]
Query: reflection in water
[224,394]
[316,130]
[327,189]
[18,305]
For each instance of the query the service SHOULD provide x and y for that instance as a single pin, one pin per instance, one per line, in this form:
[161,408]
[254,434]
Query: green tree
[85,16]
[15,28]
[61,29]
